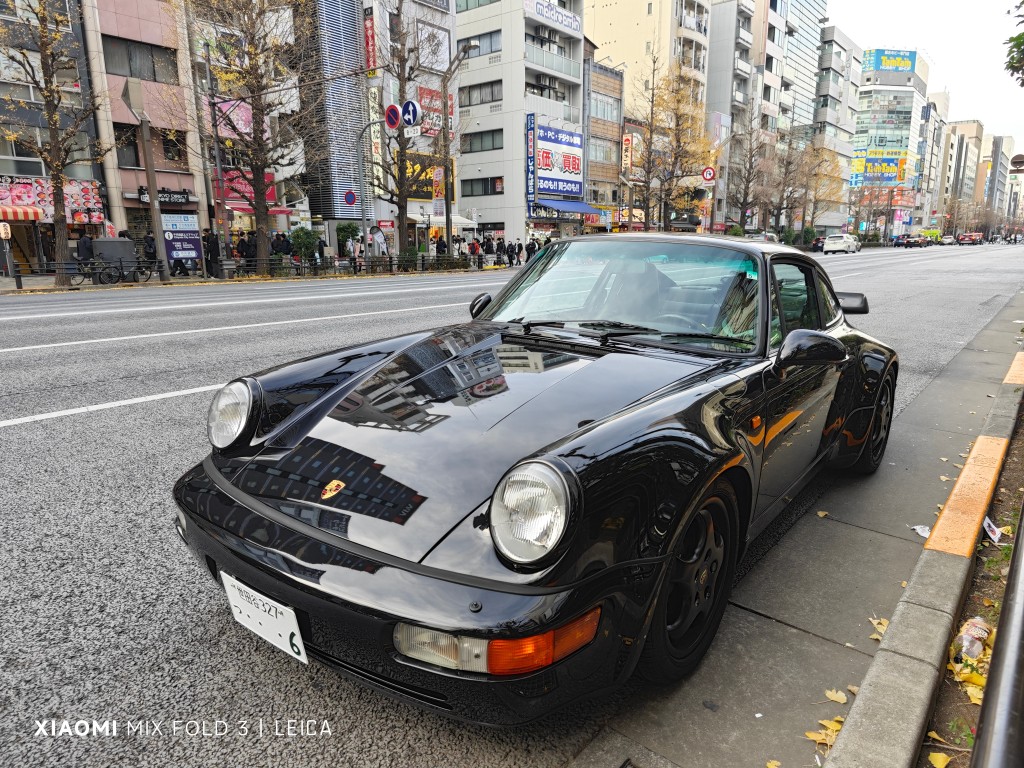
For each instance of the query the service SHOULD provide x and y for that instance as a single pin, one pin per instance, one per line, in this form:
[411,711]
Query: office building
[604,86]
[993,173]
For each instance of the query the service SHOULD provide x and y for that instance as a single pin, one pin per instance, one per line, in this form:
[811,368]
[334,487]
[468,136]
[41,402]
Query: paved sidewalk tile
[758,690]
[953,404]
[827,577]
[911,473]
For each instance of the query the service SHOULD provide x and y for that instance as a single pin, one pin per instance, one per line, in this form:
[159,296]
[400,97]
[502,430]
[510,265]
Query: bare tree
[41,52]
[646,161]
[748,178]
[782,168]
[823,181]
[263,52]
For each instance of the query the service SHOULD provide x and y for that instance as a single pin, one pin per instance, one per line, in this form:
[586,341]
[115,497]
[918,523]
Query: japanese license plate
[274,622]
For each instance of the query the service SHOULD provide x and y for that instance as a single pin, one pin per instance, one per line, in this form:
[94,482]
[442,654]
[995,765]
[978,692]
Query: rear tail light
[496,657]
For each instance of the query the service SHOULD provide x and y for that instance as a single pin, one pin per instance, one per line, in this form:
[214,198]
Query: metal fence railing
[999,742]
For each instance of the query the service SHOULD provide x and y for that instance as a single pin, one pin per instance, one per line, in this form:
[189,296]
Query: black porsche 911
[497,518]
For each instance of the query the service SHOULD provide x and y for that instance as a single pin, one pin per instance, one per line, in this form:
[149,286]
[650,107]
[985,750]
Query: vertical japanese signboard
[439,191]
[531,162]
[370,39]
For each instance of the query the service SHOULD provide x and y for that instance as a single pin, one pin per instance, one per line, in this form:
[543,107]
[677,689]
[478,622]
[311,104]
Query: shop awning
[243,208]
[438,221]
[21,213]
[568,206]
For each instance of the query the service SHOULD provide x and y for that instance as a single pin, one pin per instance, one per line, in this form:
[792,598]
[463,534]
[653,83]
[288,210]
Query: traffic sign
[392,116]
[412,113]
[350,198]
[708,174]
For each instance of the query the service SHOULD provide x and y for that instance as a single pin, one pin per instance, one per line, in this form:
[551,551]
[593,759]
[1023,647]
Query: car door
[798,398]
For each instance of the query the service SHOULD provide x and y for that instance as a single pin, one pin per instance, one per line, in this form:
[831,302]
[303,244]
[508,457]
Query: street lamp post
[461,54]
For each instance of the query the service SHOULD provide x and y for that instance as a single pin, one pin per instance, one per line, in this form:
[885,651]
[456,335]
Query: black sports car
[497,518]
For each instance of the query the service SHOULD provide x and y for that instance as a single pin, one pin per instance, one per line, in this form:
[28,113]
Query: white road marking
[197,305]
[230,327]
[837,277]
[105,406]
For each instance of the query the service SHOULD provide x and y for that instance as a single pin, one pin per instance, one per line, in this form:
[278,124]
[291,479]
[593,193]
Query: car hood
[395,457]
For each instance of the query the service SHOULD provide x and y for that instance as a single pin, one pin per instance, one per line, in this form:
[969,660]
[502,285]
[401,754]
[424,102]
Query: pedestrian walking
[531,249]
[519,252]
[499,252]
[149,249]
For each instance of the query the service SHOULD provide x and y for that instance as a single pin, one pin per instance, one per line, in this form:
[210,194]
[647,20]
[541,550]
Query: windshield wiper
[527,324]
[707,336]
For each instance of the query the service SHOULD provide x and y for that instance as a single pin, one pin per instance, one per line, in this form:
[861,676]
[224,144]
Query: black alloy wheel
[871,457]
[696,589]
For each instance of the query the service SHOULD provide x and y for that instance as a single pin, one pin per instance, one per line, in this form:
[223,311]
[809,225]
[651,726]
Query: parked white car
[841,244]
[947,240]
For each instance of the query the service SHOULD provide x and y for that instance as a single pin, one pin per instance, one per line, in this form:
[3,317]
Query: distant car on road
[840,244]
[817,244]
[971,238]
[947,240]
[763,237]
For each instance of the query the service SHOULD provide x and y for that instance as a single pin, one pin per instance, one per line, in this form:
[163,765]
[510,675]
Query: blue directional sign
[412,113]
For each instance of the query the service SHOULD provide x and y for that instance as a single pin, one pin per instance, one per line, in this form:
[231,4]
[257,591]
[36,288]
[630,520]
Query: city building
[835,112]
[147,41]
[25,187]
[358,64]
[963,156]
[929,209]
[887,159]
[521,116]
[604,86]
[990,187]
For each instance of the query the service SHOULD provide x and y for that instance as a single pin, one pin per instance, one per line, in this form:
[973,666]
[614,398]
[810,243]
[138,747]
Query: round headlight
[529,512]
[229,412]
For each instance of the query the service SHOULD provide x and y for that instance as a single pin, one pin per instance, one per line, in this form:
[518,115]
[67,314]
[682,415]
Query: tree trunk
[60,230]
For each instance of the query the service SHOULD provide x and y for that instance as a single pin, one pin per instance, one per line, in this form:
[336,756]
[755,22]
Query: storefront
[558,218]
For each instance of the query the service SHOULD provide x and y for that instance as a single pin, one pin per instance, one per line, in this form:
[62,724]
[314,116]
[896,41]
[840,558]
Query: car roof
[763,247]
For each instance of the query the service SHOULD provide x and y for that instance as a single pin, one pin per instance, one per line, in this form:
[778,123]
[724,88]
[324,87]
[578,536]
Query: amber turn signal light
[527,654]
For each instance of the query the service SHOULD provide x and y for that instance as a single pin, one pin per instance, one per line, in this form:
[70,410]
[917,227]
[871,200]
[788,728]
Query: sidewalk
[798,622]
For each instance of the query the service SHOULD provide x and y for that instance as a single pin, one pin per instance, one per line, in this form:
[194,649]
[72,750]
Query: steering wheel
[690,322]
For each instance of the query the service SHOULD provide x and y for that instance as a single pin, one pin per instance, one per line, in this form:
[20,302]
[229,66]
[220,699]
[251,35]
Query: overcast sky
[963,43]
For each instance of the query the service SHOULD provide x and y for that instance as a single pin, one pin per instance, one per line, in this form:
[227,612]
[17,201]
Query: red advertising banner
[430,100]
[238,186]
[370,38]
[82,201]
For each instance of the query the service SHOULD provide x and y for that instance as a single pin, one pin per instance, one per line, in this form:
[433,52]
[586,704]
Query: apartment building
[992,179]
[929,209]
[521,114]
[602,117]
[964,154]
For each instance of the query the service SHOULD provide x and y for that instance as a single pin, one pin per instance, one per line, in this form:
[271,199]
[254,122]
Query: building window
[604,151]
[605,108]
[490,42]
[127,141]
[469,5]
[483,141]
[16,159]
[494,185]
[650,8]
[483,93]
[172,143]
[130,58]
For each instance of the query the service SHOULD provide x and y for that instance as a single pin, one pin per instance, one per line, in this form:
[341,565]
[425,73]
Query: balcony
[744,37]
[692,22]
[739,99]
[742,68]
[552,108]
[788,75]
[552,61]
[792,25]
[745,8]
[832,61]
[787,101]
[827,88]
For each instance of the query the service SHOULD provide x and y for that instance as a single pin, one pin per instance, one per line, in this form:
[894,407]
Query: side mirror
[803,347]
[853,303]
[477,305]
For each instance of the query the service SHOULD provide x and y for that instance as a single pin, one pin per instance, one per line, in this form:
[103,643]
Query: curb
[887,722]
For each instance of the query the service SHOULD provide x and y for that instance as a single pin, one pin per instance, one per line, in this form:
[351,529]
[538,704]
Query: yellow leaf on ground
[822,513]
[837,696]
[935,735]
[821,737]
[1006,530]
[875,636]
[839,719]
[880,625]
[975,694]
[832,725]
[942,459]
[903,584]
[773,764]
[854,689]
[938,759]
[988,602]
[944,479]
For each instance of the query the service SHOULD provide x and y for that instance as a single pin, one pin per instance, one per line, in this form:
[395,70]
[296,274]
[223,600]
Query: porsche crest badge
[331,489]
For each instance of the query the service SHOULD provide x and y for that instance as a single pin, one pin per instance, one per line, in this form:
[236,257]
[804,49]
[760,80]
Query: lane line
[231,327]
[837,277]
[198,305]
[106,406]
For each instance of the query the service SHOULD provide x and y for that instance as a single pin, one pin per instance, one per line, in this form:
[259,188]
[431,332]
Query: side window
[796,297]
[829,303]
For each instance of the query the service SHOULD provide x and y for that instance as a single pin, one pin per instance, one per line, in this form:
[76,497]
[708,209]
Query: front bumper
[347,605]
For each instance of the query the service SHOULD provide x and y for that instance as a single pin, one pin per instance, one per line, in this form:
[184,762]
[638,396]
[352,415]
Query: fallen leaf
[880,625]
[974,693]
[944,479]
[837,696]
[942,459]
[959,466]
[854,689]
[988,602]
[1007,530]
[832,725]
[839,719]
[934,735]
[773,764]
[963,455]
[822,737]
[822,513]
[875,636]
[989,395]
[973,412]
[903,584]
[938,759]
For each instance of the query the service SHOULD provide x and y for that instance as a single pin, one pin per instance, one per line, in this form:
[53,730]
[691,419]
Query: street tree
[47,116]
[262,54]
[1015,46]
[782,165]
[821,181]
[646,159]
[416,52]
[748,169]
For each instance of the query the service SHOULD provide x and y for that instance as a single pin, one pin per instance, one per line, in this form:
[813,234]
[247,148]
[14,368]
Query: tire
[881,425]
[77,277]
[696,589]
[142,274]
[109,275]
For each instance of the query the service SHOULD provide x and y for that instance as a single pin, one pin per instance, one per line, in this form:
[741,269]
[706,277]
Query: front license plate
[274,622]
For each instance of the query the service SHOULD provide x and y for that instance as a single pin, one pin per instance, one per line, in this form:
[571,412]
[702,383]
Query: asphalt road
[108,618]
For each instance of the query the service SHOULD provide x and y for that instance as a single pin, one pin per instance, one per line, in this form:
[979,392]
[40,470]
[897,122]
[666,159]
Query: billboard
[430,100]
[531,162]
[889,60]
[82,201]
[555,14]
[559,161]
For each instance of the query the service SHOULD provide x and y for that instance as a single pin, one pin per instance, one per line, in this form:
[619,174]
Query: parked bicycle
[104,274]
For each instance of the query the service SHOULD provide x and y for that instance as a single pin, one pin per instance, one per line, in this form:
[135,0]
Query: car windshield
[677,293]
[835,237]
